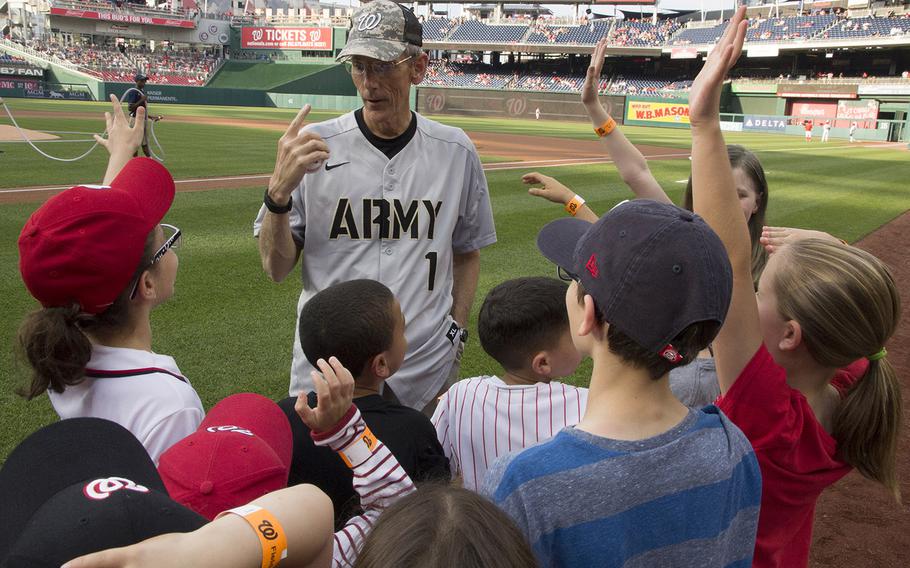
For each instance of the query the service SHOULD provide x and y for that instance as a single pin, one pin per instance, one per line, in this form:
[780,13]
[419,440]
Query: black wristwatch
[464,335]
[274,207]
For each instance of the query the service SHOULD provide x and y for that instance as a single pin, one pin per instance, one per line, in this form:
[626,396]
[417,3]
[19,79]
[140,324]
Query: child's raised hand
[704,97]
[334,393]
[592,79]
[550,189]
[773,238]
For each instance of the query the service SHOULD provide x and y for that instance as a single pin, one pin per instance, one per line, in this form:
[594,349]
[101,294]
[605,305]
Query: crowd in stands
[444,73]
[120,63]
[638,33]
[641,33]
[6,58]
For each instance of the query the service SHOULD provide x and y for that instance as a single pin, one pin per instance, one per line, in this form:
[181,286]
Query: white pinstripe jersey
[482,418]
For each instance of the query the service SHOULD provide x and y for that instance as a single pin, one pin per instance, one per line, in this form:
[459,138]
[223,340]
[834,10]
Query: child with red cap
[99,260]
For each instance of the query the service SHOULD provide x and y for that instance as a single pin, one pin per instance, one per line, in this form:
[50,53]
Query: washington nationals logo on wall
[516,106]
[436,102]
[367,22]
[257,34]
[101,489]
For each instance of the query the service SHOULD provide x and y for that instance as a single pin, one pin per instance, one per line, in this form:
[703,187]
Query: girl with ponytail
[99,260]
[820,306]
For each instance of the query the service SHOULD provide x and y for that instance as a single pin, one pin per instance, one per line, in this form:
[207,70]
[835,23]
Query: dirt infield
[9,133]
[857,524]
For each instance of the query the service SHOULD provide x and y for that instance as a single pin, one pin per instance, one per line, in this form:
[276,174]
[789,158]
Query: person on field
[385,194]
[524,326]
[361,323]
[99,260]
[695,384]
[821,305]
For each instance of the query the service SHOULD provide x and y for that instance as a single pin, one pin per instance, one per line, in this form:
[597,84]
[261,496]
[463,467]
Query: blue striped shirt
[687,497]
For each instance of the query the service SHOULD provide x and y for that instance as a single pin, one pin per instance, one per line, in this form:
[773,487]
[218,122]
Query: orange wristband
[272,538]
[574,205]
[360,450]
[606,128]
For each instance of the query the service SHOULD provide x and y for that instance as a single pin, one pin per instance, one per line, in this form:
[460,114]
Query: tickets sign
[120,17]
[310,39]
[657,111]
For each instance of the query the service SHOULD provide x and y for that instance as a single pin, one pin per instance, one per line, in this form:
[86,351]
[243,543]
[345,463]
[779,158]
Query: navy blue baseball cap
[140,77]
[652,268]
[79,486]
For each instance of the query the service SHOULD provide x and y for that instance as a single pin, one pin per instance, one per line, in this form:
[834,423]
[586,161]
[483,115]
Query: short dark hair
[521,317]
[352,321]
[688,343]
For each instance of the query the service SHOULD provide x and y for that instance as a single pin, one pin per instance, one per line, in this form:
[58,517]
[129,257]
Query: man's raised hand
[298,153]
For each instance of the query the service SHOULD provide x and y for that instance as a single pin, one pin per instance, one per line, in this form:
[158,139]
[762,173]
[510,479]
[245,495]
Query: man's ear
[419,68]
[793,336]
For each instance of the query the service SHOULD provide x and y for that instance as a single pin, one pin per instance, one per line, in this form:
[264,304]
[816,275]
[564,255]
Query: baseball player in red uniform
[808,126]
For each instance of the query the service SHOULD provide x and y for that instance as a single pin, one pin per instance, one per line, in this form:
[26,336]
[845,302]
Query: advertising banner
[816,91]
[311,39]
[683,53]
[864,113]
[762,51]
[656,111]
[125,18]
[813,111]
[21,71]
[764,123]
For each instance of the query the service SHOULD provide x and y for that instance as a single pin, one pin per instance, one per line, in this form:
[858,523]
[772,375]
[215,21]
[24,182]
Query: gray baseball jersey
[398,221]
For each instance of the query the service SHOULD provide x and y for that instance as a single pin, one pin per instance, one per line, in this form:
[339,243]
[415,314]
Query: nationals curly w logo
[101,489]
[367,22]
[268,531]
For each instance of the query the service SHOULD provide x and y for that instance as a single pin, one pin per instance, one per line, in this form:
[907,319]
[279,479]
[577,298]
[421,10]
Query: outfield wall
[510,104]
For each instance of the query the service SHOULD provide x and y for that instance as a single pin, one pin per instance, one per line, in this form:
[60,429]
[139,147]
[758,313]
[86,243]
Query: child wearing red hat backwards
[99,261]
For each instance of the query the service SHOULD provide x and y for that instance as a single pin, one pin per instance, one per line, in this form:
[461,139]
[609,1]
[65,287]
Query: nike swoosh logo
[333,166]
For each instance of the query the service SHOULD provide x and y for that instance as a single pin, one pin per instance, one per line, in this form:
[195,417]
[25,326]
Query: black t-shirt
[408,434]
[388,146]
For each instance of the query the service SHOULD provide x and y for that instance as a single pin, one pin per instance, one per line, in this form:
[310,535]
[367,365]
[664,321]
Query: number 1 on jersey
[431,280]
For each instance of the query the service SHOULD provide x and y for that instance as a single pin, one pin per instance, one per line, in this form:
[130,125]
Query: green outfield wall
[174,94]
[505,104]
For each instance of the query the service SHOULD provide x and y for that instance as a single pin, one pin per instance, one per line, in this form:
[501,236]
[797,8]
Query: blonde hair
[847,306]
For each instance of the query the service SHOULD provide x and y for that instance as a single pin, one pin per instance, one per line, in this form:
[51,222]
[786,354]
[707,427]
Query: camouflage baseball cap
[382,30]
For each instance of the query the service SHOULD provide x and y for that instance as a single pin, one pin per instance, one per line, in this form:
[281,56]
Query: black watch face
[464,335]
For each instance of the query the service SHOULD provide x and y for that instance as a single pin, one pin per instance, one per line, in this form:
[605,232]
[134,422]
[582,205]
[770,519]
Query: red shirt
[808,125]
[796,455]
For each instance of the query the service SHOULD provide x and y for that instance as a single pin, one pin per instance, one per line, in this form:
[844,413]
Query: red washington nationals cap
[652,268]
[84,245]
[79,486]
[241,451]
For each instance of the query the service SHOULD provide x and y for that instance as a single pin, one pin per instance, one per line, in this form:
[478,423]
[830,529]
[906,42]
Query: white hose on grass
[150,124]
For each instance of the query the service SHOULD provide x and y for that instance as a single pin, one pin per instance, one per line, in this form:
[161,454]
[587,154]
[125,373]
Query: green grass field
[230,328]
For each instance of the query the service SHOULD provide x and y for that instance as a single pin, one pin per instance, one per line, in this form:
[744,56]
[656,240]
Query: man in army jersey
[386,194]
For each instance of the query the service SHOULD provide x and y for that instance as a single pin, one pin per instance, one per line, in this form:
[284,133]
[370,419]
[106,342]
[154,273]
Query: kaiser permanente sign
[657,112]
[311,39]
